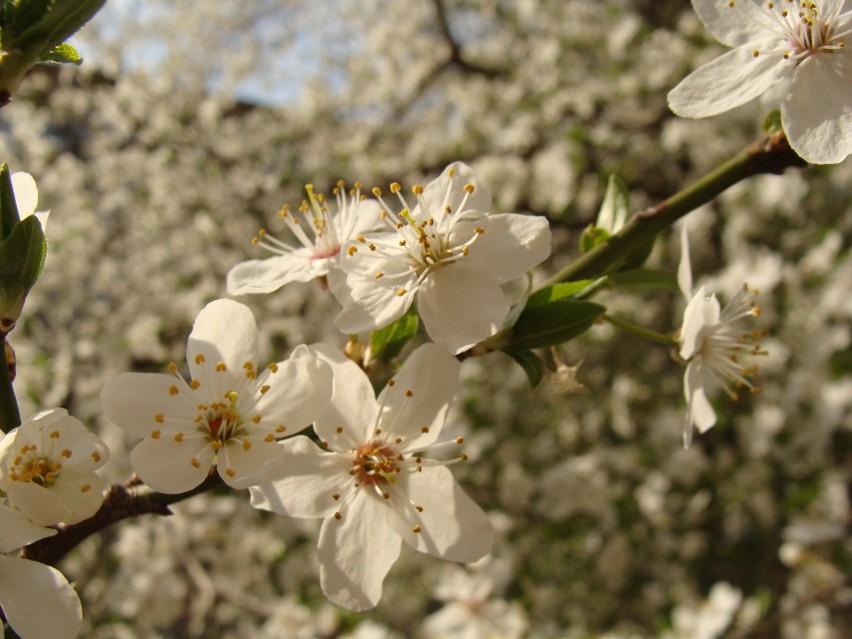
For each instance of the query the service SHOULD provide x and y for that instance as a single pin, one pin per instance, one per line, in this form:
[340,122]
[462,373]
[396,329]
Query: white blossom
[26,197]
[37,600]
[47,468]
[450,253]
[229,416]
[318,252]
[801,45]
[371,484]
[712,346]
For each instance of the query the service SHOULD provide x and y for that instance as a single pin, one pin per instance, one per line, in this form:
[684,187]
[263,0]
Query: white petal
[166,465]
[731,23]
[300,482]
[224,331]
[420,397]
[299,392]
[132,400]
[370,304]
[729,81]
[38,601]
[694,389]
[353,406]
[511,245]
[270,274]
[461,305]
[40,505]
[356,552]
[435,192]
[26,193]
[81,495]
[701,314]
[452,526]
[238,463]
[16,531]
[817,114]
[684,268]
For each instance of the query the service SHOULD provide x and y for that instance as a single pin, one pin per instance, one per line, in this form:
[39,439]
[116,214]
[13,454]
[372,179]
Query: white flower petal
[132,400]
[81,494]
[731,23]
[420,397]
[40,505]
[224,331]
[817,114]
[270,274]
[353,406]
[435,192]
[461,305]
[356,552]
[300,482]
[729,81]
[452,526]
[701,412]
[240,460]
[369,304]
[38,601]
[16,531]
[511,245]
[167,465]
[701,313]
[298,392]
[26,193]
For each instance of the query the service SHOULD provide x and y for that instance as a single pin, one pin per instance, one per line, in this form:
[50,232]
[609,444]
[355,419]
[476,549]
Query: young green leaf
[645,278]
[530,362]
[553,323]
[63,54]
[22,256]
[573,290]
[9,216]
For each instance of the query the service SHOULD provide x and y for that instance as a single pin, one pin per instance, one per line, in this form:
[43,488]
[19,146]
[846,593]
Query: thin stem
[10,416]
[121,502]
[646,333]
[767,155]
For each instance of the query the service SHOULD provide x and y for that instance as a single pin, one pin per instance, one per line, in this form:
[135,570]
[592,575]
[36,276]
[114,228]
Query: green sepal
[553,323]
[63,54]
[645,278]
[9,216]
[772,122]
[386,343]
[530,362]
[22,256]
[592,236]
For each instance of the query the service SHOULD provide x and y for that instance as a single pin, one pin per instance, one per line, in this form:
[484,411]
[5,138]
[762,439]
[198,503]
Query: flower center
[220,421]
[375,464]
[30,466]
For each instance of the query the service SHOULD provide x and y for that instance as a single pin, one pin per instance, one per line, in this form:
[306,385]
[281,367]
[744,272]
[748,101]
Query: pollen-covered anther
[65,453]
[416,529]
[409,393]
[179,437]
[96,456]
[221,367]
[269,438]
[195,384]
[338,516]
[85,488]
[54,434]
[265,388]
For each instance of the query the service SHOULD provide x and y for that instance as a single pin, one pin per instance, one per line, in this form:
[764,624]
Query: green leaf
[49,29]
[64,54]
[553,323]
[386,343]
[591,237]
[530,362]
[645,278]
[22,256]
[9,216]
[580,288]
[772,122]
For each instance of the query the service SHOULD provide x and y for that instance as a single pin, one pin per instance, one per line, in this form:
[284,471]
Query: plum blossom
[26,197]
[318,256]
[47,468]
[800,46]
[372,483]
[712,346]
[229,416]
[450,253]
[37,600]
